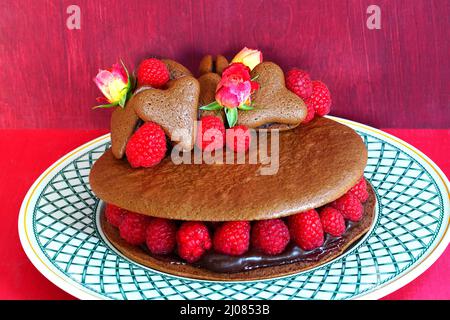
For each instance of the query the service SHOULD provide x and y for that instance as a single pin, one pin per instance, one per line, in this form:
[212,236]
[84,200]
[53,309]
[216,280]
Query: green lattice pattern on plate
[410,216]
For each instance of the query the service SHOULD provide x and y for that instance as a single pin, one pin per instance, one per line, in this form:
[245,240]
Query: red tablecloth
[26,153]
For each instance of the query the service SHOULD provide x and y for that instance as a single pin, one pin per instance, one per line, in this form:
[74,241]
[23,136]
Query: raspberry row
[192,239]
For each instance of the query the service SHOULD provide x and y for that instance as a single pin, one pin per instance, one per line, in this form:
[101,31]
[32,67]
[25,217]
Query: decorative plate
[58,227]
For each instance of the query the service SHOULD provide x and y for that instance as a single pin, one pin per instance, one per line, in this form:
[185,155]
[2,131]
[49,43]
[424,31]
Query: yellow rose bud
[251,58]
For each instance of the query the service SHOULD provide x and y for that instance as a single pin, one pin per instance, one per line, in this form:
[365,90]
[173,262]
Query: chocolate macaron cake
[235,175]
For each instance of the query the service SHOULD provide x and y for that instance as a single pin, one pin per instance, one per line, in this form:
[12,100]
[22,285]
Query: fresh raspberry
[133,227]
[270,236]
[299,82]
[320,98]
[238,138]
[193,240]
[306,229]
[359,190]
[152,72]
[211,134]
[147,146]
[232,238]
[161,236]
[115,215]
[332,220]
[349,206]
[310,112]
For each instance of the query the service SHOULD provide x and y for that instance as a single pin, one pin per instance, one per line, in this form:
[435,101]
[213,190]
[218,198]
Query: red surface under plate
[27,153]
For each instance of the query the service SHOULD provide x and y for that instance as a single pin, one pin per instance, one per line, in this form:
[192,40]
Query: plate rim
[425,262]
[72,287]
[63,282]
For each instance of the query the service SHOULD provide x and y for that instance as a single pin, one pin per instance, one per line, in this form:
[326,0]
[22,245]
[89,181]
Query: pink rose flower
[114,83]
[235,88]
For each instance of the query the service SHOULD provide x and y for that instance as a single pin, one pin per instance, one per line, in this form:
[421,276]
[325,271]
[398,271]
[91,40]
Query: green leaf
[212,106]
[129,94]
[232,116]
[105,106]
[255,77]
[123,100]
[245,107]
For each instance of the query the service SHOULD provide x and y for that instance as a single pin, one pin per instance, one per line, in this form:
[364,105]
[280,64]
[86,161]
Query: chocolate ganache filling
[253,259]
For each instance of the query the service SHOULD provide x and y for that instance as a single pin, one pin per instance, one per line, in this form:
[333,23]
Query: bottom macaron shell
[177,267]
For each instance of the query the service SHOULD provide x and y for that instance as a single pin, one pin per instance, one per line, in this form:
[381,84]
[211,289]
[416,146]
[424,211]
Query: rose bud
[115,84]
[249,57]
[235,87]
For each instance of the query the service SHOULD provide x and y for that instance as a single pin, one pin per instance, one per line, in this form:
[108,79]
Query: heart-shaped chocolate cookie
[123,123]
[176,70]
[273,103]
[125,120]
[174,109]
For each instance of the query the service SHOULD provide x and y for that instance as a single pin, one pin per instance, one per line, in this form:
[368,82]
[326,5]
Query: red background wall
[393,77]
